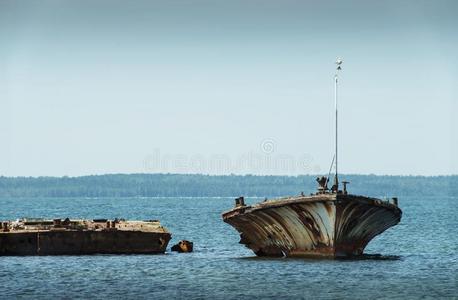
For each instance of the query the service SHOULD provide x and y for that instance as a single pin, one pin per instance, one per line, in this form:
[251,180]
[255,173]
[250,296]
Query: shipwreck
[329,223]
[326,224]
[80,237]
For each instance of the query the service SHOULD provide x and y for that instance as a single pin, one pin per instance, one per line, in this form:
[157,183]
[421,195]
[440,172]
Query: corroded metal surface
[183,246]
[359,220]
[319,225]
[58,237]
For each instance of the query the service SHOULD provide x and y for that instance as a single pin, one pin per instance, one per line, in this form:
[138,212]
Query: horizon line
[226,175]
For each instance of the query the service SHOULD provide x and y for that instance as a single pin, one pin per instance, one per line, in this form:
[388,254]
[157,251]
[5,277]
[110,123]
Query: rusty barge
[80,237]
[330,223]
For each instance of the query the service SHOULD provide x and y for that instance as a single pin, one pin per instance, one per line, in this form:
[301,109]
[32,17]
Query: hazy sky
[92,87]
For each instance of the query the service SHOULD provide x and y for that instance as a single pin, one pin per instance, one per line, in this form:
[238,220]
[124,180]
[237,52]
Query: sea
[417,259]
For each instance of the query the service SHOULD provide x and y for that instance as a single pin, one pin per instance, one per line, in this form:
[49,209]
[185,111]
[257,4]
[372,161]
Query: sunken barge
[80,237]
[326,224]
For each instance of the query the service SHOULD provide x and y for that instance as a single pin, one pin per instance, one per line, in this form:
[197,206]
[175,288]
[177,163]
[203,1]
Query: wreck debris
[183,246]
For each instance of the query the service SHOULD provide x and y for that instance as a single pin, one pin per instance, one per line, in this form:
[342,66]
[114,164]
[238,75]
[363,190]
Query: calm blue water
[419,257]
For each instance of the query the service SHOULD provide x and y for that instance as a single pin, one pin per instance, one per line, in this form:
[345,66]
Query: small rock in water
[183,246]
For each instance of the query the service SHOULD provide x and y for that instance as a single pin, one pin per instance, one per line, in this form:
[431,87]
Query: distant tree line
[193,185]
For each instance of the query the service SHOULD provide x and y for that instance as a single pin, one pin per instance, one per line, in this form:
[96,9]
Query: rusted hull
[321,225]
[83,242]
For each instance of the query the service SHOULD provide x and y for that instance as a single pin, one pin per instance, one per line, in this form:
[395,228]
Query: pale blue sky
[92,87]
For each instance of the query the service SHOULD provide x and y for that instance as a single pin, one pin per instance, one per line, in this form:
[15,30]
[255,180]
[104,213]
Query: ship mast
[338,63]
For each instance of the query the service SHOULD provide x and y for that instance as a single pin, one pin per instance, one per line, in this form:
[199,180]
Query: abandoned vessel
[326,224]
[330,223]
[79,237]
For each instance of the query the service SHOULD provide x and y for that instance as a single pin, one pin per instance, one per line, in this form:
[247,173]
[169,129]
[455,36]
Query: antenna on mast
[339,62]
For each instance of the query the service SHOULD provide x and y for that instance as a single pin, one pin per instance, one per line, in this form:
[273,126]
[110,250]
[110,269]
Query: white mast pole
[338,63]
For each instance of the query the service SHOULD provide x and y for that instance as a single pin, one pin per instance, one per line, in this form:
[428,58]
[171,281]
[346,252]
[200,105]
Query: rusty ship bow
[330,223]
[321,225]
